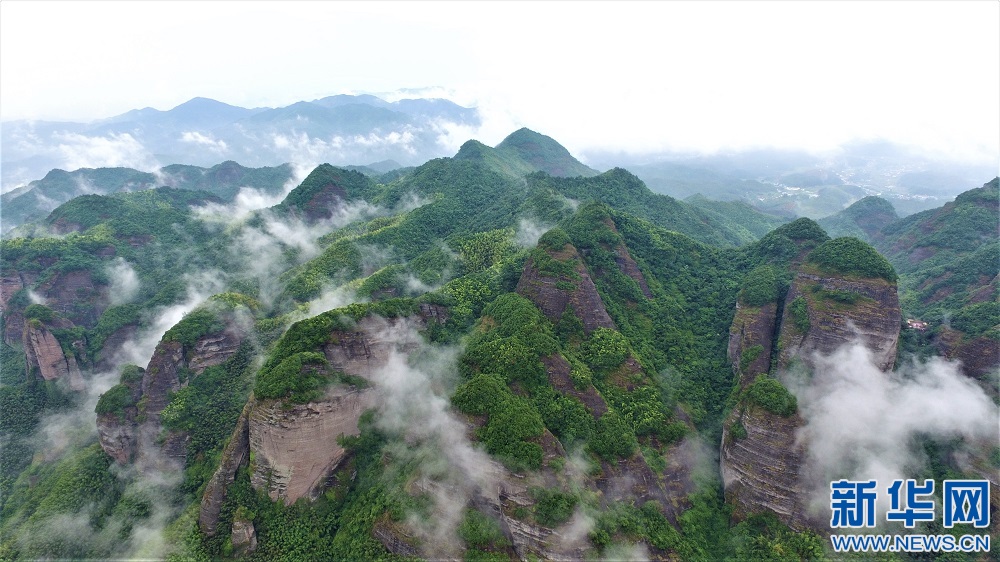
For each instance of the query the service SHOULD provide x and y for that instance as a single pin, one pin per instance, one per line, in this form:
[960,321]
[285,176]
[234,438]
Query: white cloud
[124,281]
[206,141]
[861,423]
[114,150]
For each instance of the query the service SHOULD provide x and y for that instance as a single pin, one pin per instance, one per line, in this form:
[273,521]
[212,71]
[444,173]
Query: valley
[500,354]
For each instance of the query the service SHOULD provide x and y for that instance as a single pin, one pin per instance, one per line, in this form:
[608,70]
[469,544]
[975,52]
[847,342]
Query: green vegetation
[770,394]
[553,507]
[850,256]
[798,309]
[764,284]
[298,377]
[481,532]
[749,355]
[668,273]
[115,400]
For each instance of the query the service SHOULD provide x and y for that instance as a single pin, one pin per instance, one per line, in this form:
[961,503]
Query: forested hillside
[503,355]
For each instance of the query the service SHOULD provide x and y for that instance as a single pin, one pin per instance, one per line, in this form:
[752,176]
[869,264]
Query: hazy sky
[639,76]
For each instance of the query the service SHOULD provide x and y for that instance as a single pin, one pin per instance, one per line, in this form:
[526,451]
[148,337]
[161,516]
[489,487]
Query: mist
[125,283]
[414,387]
[861,423]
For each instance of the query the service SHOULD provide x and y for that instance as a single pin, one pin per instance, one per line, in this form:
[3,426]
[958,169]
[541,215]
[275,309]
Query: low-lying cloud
[111,151]
[862,423]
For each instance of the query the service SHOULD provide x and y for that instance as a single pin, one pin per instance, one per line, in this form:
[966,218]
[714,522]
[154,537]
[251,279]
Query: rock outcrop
[751,339]
[65,292]
[235,454]
[118,432]
[163,377]
[762,459]
[243,538]
[295,445]
[553,293]
[45,354]
[872,318]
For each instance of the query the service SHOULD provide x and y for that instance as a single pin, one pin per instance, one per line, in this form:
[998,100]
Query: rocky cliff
[295,445]
[236,453]
[117,431]
[163,376]
[46,356]
[762,458]
[840,311]
[553,289]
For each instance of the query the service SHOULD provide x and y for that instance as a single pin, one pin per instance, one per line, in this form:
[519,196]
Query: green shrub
[553,507]
[750,355]
[770,394]
[763,285]
[606,349]
[114,401]
[737,430]
[612,438]
[298,377]
[481,531]
[850,256]
[799,311]
[195,324]
[39,312]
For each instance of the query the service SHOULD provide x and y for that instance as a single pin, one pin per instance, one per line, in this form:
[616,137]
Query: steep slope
[840,291]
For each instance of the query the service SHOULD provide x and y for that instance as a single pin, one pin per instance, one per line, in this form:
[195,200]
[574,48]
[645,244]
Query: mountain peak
[543,153]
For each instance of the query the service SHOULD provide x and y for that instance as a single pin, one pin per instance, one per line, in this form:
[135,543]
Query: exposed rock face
[65,291]
[213,349]
[243,538]
[628,266]
[43,352]
[324,202]
[162,377]
[752,326]
[979,356]
[295,446]
[874,318]
[106,356]
[763,470]
[234,455]
[558,370]
[118,436]
[552,294]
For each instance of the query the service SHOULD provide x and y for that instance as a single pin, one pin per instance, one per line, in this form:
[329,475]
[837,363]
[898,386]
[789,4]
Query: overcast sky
[639,77]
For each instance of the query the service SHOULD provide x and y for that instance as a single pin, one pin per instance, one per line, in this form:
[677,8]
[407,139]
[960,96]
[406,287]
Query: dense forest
[503,355]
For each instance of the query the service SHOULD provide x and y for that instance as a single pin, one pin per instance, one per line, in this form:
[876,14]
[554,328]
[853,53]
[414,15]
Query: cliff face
[761,457]
[118,434]
[295,446]
[840,312]
[234,455]
[64,293]
[552,293]
[45,354]
[751,339]
[162,377]
[760,472]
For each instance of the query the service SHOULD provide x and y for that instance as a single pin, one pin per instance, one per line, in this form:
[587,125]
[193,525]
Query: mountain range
[501,354]
[202,132]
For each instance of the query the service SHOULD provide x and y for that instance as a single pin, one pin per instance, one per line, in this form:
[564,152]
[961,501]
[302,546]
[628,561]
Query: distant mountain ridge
[343,129]
[34,201]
